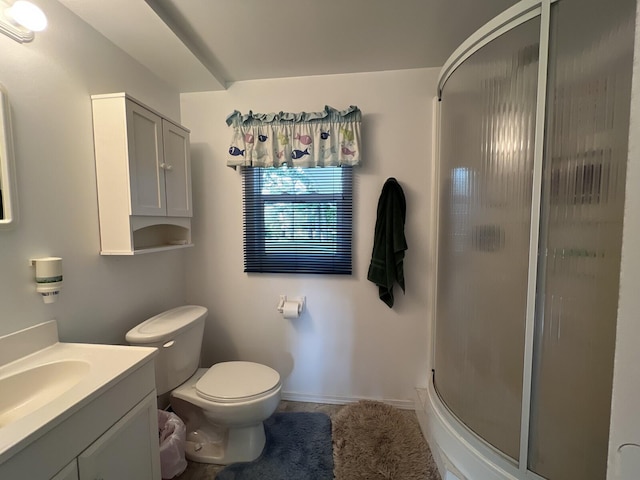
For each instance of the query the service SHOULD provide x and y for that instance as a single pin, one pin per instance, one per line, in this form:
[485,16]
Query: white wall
[49,83]
[624,438]
[348,344]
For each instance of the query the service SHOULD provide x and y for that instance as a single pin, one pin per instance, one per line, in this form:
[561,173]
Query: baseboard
[333,400]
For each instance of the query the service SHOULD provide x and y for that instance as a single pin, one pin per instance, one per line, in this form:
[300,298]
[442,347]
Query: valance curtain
[329,138]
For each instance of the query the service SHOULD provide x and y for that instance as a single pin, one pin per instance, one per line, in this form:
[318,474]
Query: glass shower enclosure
[533,122]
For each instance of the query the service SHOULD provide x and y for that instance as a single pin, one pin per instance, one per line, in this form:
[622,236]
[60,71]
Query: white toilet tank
[177,333]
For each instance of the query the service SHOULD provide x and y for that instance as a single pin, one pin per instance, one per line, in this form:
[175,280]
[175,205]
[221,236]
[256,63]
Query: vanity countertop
[68,375]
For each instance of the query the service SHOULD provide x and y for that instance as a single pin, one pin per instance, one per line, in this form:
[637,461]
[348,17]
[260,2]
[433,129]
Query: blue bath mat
[298,447]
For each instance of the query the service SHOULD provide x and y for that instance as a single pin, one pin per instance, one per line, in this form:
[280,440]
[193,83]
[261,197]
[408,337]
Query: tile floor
[202,471]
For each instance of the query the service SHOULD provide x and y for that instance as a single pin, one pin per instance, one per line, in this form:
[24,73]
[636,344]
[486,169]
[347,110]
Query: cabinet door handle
[163,166]
[168,167]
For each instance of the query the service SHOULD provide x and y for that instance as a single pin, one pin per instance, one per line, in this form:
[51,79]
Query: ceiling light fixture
[21,19]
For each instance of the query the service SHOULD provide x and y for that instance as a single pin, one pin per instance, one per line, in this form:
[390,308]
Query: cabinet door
[70,472]
[146,154]
[127,451]
[177,167]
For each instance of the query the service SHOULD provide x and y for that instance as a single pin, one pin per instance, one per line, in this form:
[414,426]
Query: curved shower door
[581,236]
[526,315]
[487,118]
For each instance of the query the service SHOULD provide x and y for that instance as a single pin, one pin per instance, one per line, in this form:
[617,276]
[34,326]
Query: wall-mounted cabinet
[143,172]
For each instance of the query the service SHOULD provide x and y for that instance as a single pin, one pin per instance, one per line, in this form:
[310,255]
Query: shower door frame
[511,18]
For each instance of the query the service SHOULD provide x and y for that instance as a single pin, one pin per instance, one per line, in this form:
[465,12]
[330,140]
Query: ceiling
[201,45]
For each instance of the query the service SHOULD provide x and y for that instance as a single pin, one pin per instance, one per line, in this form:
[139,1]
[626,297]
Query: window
[297,220]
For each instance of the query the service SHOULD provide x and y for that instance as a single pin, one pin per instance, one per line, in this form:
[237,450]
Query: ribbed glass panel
[487,124]
[297,220]
[583,198]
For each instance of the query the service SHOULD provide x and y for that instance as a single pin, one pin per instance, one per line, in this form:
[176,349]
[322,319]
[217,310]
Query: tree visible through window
[298,220]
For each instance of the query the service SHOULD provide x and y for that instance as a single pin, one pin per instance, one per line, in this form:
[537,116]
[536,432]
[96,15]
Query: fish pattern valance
[329,138]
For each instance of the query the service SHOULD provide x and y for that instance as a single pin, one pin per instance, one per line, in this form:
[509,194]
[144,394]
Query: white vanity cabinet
[113,437]
[125,450]
[143,172]
[70,472]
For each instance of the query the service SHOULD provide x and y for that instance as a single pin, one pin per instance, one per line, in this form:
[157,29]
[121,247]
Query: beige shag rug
[374,441]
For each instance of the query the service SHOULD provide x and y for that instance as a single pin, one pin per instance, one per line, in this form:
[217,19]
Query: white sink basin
[35,387]
[43,382]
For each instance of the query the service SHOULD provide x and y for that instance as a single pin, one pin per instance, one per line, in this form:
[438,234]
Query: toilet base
[223,446]
[222,432]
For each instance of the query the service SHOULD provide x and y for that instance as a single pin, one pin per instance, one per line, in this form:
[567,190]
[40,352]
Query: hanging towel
[389,242]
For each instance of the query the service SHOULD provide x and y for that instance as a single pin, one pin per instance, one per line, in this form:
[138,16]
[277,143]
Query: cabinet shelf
[140,251]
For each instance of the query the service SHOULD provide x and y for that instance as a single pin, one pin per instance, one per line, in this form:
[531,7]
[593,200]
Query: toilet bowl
[223,406]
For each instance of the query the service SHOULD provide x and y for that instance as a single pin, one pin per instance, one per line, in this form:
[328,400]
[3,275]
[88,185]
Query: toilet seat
[229,382]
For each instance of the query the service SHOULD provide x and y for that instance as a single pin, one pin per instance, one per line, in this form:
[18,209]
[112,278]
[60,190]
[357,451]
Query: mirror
[8,206]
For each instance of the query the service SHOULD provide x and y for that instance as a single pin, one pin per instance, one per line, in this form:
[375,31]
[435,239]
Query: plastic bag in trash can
[173,435]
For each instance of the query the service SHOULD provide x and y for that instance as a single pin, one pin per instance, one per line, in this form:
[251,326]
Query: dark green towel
[389,243]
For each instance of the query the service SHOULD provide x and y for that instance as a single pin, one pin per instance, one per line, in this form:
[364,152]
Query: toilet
[223,406]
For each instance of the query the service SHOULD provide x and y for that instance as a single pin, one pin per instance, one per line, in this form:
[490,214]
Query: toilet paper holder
[299,300]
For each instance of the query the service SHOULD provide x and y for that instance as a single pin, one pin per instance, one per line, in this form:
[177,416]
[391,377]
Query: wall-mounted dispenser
[48,277]
[291,308]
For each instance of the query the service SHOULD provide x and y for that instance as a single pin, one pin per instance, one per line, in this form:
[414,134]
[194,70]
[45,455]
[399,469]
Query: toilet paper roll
[48,269]
[291,309]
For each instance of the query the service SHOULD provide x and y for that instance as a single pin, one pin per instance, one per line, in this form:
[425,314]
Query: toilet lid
[232,381]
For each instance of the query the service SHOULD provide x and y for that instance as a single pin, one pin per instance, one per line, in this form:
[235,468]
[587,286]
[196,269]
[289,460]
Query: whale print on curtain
[329,138]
